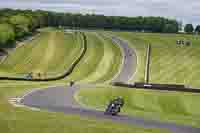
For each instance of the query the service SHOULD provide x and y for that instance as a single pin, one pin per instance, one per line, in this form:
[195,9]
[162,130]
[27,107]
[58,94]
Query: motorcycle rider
[114,104]
[119,101]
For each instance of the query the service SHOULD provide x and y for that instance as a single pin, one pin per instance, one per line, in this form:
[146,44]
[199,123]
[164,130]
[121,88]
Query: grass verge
[175,107]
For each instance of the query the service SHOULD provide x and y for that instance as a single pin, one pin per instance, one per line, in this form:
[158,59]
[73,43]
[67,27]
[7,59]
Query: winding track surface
[61,99]
[129,61]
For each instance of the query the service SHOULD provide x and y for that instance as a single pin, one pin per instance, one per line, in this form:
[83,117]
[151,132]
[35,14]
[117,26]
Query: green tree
[27,21]
[21,24]
[189,28]
[180,25]
[7,34]
[170,28]
[197,29]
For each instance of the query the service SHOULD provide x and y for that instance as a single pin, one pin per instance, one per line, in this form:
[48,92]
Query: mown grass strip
[90,60]
[109,64]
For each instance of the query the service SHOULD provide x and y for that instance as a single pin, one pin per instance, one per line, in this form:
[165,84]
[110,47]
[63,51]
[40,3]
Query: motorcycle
[114,107]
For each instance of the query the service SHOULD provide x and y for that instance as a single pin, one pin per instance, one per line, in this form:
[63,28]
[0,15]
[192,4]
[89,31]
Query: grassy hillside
[174,64]
[101,61]
[169,64]
[53,51]
[50,53]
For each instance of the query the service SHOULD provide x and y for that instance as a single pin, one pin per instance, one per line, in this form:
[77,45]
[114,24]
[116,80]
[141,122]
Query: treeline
[148,24]
[189,28]
[15,24]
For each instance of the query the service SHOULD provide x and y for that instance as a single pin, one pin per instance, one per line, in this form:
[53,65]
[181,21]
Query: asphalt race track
[129,61]
[61,98]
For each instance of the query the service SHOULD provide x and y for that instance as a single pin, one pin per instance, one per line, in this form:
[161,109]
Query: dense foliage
[189,28]
[148,24]
[15,24]
[24,22]
[197,29]
[7,34]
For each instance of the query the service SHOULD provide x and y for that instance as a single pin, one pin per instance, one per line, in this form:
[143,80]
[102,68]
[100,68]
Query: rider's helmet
[119,100]
[120,97]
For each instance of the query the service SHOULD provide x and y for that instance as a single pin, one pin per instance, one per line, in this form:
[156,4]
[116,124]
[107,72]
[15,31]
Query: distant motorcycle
[114,107]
